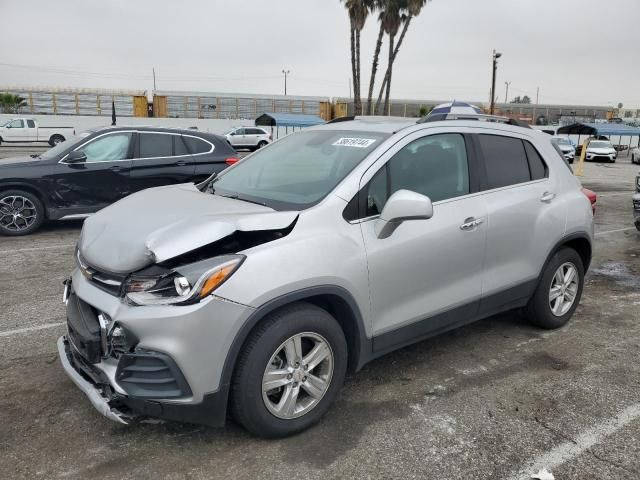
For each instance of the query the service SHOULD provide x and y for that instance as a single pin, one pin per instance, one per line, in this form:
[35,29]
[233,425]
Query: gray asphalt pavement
[497,400]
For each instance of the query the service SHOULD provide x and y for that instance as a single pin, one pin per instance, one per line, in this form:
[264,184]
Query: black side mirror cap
[76,156]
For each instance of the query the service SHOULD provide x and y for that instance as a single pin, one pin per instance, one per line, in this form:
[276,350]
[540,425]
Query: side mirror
[403,205]
[76,156]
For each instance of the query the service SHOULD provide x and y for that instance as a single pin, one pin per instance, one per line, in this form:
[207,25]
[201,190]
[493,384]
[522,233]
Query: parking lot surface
[498,399]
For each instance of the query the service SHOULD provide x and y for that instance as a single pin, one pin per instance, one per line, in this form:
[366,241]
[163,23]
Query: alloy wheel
[298,375]
[564,288]
[17,213]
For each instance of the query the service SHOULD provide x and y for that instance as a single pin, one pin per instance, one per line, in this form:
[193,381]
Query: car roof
[149,128]
[392,125]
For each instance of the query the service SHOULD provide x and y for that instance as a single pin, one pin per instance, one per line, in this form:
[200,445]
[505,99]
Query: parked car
[251,138]
[636,203]
[27,130]
[84,174]
[261,287]
[566,147]
[635,155]
[601,150]
[593,198]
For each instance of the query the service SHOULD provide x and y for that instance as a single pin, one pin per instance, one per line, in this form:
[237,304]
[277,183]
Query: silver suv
[251,138]
[259,289]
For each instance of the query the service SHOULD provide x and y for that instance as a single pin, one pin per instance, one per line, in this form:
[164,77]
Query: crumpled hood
[161,223]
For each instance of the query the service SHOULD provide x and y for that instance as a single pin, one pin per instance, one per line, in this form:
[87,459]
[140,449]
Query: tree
[398,13]
[10,103]
[524,99]
[358,11]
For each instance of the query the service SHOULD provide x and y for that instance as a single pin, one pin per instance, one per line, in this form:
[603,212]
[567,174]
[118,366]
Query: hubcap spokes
[17,213]
[297,375]
[564,289]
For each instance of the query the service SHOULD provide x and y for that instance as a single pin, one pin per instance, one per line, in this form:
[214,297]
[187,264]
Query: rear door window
[505,161]
[155,145]
[179,148]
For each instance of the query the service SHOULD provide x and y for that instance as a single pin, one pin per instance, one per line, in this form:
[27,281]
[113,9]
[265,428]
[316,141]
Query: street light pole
[285,72]
[496,56]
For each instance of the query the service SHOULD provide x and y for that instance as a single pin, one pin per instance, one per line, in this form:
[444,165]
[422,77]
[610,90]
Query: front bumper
[596,156]
[188,343]
[636,210]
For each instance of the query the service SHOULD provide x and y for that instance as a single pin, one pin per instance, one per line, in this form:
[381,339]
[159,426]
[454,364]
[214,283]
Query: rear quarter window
[196,145]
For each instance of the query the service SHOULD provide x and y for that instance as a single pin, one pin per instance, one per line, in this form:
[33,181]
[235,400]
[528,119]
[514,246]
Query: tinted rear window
[505,161]
[197,145]
[155,145]
[536,164]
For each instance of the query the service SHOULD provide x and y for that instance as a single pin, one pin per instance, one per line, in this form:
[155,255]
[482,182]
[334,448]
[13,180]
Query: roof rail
[472,116]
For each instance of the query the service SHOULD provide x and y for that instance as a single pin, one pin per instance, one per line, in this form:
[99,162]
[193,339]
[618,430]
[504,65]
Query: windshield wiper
[235,196]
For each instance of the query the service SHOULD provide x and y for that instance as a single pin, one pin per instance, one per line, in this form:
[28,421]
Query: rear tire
[21,213]
[554,301]
[55,140]
[272,355]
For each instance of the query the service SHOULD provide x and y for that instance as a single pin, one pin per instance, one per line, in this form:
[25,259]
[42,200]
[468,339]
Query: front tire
[21,213]
[559,290]
[289,372]
[262,144]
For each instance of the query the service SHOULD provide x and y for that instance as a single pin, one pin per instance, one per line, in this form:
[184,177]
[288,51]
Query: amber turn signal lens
[216,279]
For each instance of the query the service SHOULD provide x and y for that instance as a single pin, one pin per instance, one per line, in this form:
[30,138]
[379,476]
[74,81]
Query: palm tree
[391,19]
[358,12]
[406,11]
[11,103]
[380,5]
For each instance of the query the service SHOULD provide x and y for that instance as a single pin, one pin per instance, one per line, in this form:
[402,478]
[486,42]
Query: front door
[101,179]
[427,275]
[16,132]
[160,159]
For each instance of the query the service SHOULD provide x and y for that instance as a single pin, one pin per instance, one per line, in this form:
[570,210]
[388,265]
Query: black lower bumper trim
[212,411]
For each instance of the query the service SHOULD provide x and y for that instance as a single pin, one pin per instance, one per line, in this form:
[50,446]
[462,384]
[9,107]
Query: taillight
[231,160]
[592,198]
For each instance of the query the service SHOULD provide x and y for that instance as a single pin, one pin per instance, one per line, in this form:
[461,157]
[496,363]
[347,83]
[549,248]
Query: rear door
[101,179]
[524,216]
[209,155]
[160,159]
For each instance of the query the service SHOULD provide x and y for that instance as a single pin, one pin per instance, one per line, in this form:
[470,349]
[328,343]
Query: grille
[109,282]
[83,329]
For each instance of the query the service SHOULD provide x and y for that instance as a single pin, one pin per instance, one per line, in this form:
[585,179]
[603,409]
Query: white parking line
[569,450]
[614,231]
[34,249]
[19,331]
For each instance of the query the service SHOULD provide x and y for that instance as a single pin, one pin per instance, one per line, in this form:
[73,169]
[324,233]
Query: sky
[574,51]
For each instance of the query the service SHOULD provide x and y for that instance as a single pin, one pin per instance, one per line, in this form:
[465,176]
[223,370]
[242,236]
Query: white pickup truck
[26,130]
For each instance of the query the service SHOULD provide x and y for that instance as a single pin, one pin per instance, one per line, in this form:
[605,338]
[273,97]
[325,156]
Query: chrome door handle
[547,196]
[471,223]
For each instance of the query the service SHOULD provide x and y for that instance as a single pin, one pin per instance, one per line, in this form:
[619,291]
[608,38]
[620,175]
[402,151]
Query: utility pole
[285,73]
[494,68]
[349,88]
[154,79]
[506,95]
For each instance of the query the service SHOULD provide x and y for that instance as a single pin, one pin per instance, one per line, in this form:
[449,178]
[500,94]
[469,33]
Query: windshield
[561,141]
[61,147]
[600,145]
[299,170]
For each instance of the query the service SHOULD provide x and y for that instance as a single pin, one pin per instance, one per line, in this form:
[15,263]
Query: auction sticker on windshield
[354,142]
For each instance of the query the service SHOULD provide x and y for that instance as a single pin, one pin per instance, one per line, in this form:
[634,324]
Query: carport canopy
[272,119]
[595,129]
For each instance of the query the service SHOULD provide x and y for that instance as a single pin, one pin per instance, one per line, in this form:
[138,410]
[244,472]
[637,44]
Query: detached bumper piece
[94,394]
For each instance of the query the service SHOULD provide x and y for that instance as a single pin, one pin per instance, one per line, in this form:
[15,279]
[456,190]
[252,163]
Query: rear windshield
[561,141]
[299,170]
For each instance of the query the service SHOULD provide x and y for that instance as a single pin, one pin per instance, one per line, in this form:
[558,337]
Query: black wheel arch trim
[562,242]
[357,358]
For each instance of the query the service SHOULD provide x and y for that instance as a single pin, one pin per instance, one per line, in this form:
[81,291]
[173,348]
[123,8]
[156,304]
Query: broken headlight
[182,285]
